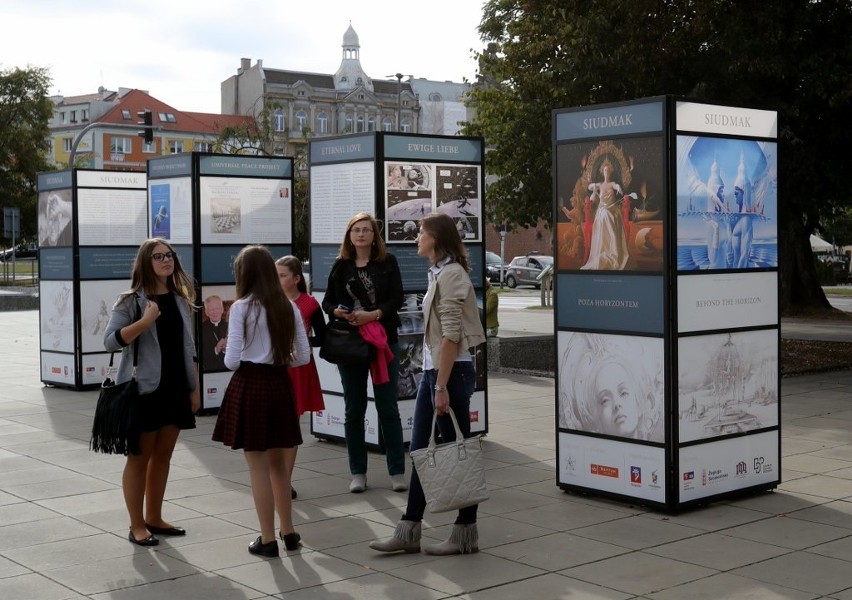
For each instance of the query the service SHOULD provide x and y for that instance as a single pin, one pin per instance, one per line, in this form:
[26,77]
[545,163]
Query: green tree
[25,111]
[546,54]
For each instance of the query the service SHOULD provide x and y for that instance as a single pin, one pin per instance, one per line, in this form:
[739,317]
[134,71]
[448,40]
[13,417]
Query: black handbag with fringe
[115,429]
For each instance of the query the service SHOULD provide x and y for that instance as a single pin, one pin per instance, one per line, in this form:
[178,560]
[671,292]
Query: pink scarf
[374,333]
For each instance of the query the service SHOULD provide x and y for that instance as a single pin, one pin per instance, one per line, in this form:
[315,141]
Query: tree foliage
[791,56]
[25,112]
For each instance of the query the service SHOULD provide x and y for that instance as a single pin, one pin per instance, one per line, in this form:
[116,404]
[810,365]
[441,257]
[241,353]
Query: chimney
[245,65]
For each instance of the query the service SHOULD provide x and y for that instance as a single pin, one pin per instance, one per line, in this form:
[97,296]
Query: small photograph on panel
[727,383]
[411,314]
[457,190]
[216,301]
[56,306]
[727,204]
[226,215]
[407,183]
[410,365]
[95,312]
[54,218]
[610,205]
[611,385]
[468,228]
[403,231]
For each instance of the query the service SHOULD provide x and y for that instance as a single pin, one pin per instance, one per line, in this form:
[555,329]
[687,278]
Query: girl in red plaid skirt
[258,412]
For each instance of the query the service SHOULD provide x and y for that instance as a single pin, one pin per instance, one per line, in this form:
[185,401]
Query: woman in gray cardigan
[156,311]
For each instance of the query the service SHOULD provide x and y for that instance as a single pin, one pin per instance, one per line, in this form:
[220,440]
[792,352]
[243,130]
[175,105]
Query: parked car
[523,270]
[492,267]
[27,251]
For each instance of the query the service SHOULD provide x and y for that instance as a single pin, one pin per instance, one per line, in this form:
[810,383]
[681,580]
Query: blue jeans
[354,379]
[460,387]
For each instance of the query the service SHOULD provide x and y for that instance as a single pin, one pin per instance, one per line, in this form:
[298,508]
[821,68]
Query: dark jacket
[387,280]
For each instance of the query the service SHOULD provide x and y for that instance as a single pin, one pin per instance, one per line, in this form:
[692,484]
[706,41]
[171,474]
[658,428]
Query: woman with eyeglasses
[156,311]
[365,288]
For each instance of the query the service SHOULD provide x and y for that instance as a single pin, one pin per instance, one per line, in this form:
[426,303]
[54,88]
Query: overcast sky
[180,51]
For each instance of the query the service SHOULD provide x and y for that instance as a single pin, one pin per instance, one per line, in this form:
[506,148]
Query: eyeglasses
[359,230]
[163,256]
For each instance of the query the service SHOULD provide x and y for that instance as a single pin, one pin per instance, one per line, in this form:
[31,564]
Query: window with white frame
[149,148]
[175,146]
[359,124]
[66,144]
[347,124]
[125,114]
[371,124]
[301,120]
[73,116]
[387,124]
[119,145]
[322,123]
[279,123]
[204,147]
[50,147]
[405,126]
[84,114]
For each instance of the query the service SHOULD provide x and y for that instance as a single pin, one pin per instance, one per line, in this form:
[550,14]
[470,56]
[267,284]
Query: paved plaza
[63,526]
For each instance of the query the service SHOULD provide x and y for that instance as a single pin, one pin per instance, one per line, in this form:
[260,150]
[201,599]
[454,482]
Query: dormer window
[125,114]
[360,81]
[344,79]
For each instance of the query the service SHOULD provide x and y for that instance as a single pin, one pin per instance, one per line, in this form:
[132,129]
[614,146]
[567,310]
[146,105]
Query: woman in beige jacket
[452,329]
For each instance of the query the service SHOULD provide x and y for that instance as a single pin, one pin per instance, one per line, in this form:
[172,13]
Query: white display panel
[98,299]
[57,368]
[213,388]
[95,367]
[726,301]
[611,385]
[729,120]
[612,466]
[245,211]
[171,209]
[330,421]
[57,316]
[111,217]
[727,383]
[338,192]
[728,465]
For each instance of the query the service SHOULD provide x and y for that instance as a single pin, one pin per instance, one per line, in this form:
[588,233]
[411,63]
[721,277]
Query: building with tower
[300,105]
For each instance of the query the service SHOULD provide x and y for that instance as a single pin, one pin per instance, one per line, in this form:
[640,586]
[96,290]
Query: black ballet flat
[146,542]
[269,549]
[166,530]
[292,541]
[293,494]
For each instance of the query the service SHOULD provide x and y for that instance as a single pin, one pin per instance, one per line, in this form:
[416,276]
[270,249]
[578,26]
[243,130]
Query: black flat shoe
[292,541]
[269,549]
[166,530]
[293,494]
[148,541]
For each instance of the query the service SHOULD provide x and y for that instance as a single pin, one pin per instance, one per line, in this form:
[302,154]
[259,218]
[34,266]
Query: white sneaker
[359,483]
[398,483]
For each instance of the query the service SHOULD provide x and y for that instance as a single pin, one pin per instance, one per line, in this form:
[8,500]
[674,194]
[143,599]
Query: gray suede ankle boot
[406,539]
[464,539]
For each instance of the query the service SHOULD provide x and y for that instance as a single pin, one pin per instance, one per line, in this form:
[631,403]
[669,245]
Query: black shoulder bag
[115,429]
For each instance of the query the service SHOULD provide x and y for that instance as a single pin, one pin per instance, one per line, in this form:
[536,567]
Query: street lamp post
[398,98]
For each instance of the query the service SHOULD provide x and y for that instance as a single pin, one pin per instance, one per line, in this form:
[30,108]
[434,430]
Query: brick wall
[520,241]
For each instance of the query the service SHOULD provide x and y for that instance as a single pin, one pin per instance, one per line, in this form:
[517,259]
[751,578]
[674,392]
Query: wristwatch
[440,388]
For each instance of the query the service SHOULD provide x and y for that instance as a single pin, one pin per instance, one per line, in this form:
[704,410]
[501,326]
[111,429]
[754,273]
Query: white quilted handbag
[451,474]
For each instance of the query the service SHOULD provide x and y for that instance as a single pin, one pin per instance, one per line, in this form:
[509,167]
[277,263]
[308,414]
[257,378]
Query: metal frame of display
[355,173]
[622,429]
[91,223]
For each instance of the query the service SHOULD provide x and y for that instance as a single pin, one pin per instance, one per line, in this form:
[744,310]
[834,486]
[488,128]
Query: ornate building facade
[301,105]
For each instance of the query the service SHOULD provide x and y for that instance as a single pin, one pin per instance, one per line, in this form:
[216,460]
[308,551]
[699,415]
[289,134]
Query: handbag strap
[459,436]
[135,344]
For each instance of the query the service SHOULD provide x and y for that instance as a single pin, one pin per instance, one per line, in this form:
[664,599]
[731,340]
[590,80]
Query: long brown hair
[448,242]
[144,278]
[295,266]
[378,251]
[257,281]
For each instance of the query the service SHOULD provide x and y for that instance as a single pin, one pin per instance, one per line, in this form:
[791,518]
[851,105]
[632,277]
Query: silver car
[524,270]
